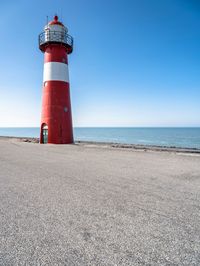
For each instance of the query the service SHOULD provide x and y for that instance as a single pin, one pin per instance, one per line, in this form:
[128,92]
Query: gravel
[97,205]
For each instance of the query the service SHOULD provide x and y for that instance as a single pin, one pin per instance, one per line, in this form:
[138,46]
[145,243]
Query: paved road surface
[80,205]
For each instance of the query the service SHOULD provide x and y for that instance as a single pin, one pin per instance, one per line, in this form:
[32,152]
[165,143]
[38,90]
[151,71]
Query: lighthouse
[56,118]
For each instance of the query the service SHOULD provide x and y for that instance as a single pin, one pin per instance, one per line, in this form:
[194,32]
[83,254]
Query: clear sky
[135,62]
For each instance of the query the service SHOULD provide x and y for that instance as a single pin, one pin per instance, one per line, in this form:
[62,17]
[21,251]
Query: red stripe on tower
[56,120]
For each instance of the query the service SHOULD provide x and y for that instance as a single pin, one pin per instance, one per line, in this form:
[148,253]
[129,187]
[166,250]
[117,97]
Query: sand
[90,204]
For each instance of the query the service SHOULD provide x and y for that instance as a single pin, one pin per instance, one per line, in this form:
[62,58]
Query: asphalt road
[89,205]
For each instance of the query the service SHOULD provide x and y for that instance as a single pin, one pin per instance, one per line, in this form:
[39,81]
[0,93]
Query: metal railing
[55,36]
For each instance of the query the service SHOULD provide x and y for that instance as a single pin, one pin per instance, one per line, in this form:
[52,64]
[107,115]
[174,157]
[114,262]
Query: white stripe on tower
[56,71]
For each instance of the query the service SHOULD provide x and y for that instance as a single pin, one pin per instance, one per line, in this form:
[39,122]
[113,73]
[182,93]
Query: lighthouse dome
[55,21]
[56,25]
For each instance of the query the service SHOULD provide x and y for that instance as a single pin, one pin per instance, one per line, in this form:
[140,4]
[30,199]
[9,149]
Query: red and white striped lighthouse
[56,120]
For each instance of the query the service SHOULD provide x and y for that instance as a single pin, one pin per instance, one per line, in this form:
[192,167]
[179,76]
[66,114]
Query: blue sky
[135,62]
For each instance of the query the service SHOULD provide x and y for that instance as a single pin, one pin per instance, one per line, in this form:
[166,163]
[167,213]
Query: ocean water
[176,137]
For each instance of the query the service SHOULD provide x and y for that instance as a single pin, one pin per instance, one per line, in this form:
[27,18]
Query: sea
[169,137]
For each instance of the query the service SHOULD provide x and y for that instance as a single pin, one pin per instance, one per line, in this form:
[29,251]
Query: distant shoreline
[140,147]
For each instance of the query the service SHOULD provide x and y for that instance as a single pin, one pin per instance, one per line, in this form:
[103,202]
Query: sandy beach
[92,204]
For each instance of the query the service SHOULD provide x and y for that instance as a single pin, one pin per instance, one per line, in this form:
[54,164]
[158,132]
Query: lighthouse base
[46,136]
[56,122]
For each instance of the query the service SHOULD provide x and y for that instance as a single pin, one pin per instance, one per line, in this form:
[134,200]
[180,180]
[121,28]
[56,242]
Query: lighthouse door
[45,134]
